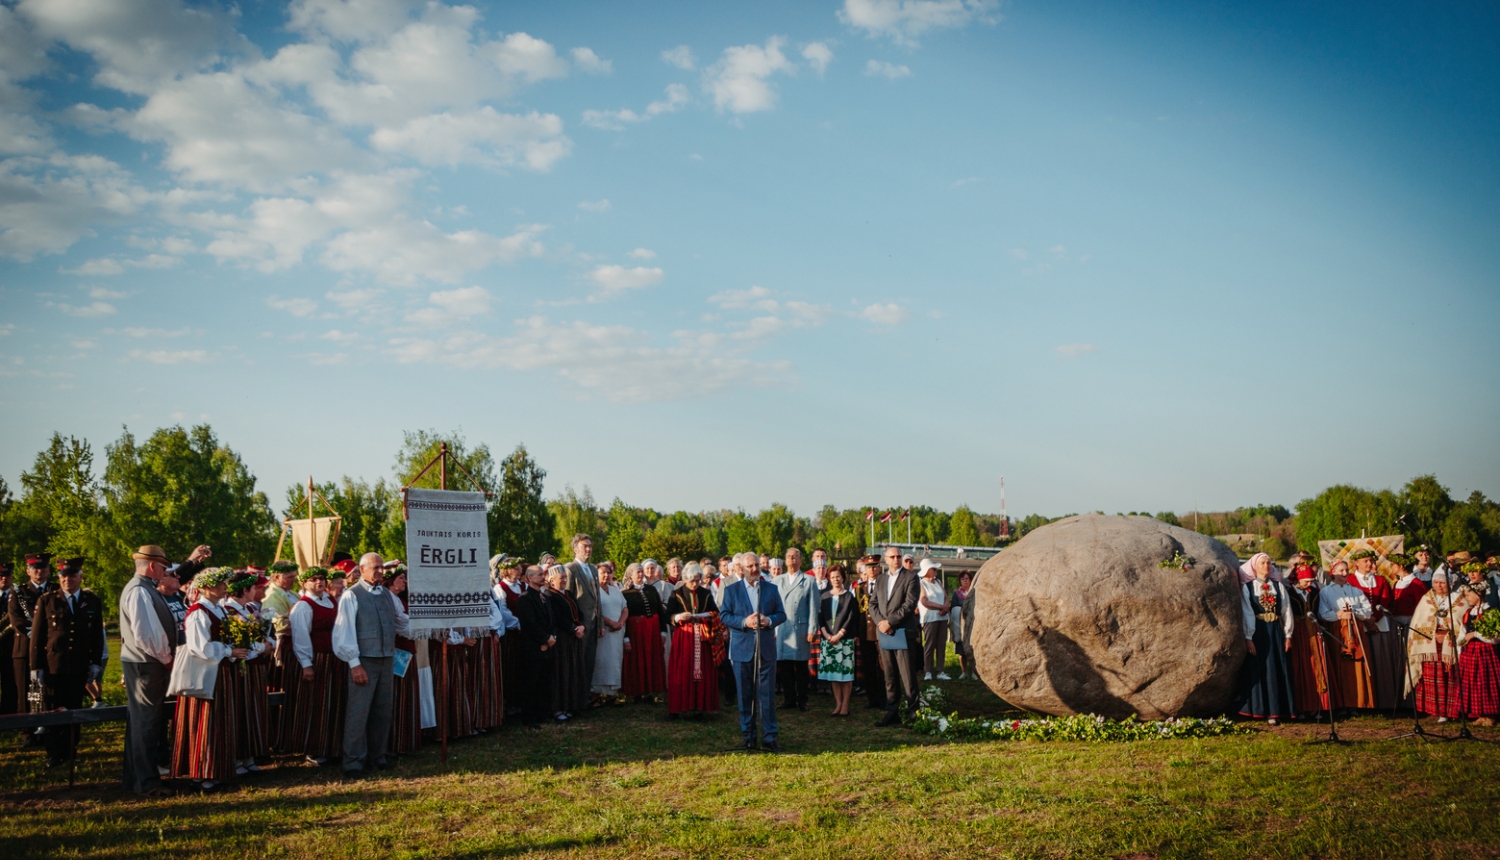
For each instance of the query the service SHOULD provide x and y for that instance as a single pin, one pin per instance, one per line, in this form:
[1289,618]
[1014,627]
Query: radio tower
[1004,519]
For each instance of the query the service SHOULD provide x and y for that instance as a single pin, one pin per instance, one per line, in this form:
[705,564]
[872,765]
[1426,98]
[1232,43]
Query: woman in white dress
[610,654]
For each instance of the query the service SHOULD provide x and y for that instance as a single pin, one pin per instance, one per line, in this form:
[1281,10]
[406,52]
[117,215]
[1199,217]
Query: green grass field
[624,782]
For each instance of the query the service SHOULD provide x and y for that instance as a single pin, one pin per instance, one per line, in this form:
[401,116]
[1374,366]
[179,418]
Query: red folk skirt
[318,716]
[203,743]
[693,676]
[489,688]
[284,678]
[644,672]
[1311,683]
[1437,691]
[1481,679]
[459,689]
[253,737]
[406,722]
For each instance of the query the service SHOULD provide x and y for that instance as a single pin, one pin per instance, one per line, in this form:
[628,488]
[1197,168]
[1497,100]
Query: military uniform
[21,612]
[67,641]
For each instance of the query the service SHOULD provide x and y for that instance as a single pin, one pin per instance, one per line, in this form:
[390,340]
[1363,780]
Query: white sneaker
[927,677]
[943,676]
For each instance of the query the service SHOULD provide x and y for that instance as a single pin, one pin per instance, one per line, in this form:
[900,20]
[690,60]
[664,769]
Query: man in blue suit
[751,609]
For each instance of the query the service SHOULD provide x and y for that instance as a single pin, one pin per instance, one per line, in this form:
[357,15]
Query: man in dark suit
[893,608]
[8,702]
[752,609]
[67,650]
[583,585]
[21,611]
[538,637]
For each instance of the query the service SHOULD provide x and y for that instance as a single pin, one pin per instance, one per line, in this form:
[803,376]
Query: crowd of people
[1340,641]
[563,639]
[204,649]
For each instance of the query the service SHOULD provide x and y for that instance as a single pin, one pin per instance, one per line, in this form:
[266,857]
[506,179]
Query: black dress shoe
[772,746]
[804,707]
[747,744]
[890,719]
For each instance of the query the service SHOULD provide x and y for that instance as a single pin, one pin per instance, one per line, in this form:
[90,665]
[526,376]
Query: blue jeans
[744,680]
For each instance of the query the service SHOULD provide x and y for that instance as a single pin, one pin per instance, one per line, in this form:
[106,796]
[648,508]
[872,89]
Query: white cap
[928,564]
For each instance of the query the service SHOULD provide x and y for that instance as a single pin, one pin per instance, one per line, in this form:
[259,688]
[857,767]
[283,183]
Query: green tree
[575,514]
[740,533]
[774,529]
[1169,518]
[961,531]
[520,523]
[364,509]
[1425,505]
[59,510]
[1343,511]
[623,543]
[10,541]
[418,449]
[178,489]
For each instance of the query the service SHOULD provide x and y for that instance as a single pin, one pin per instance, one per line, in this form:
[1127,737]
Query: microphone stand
[1416,720]
[755,715]
[1333,729]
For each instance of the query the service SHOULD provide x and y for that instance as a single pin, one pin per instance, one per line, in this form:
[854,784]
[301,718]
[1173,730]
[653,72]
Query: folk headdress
[213,577]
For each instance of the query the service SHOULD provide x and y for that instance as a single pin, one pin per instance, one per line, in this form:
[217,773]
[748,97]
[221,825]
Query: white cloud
[154,261]
[52,202]
[903,20]
[613,280]
[611,361]
[1073,350]
[594,205]
[354,300]
[886,314]
[168,356]
[777,316]
[959,183]
[406,252]
[484,137]
[101,266]
[6,328]
[153,333]
[295,307]
[738,82]
[818,55]
[616,120]
[681,57]
[1019,253]
[587,60]
[754,297]
[642,254]
[1058,251]
[348,20]
[93,309]
[102,293]
[469,301]
[339,336]
[880,68]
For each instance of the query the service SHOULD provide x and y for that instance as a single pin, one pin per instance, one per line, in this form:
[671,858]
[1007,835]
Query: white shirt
[200,642]
[301,618]
[754,589]
[501,618]
[933,593]
[1250,607]
[890,583]
[138,611]
[346,639]
[1333,597]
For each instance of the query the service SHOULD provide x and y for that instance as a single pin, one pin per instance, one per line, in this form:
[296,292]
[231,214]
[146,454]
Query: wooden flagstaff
[441,461]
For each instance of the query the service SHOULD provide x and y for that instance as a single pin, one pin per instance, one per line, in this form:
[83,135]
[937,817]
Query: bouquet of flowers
[243,632]
[1178,561]
[1487,625]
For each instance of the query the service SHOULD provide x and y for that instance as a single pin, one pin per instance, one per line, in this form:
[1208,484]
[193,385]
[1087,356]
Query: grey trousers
[590,651]
[146,723]
[903,670]
[367,722]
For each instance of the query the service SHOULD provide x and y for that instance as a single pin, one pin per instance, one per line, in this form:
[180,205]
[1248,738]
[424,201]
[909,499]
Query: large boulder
[1080,618]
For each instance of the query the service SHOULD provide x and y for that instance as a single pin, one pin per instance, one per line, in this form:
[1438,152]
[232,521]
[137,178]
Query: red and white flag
[870,515]
[905,515]
[886,517]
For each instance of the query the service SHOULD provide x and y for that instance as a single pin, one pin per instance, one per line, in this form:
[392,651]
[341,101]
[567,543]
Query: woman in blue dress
[1266,693]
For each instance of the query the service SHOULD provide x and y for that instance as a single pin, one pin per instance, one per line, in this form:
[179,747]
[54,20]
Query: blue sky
[720,255]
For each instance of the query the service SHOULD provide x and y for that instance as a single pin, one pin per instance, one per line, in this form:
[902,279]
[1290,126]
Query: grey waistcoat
[374,622]
[130,649]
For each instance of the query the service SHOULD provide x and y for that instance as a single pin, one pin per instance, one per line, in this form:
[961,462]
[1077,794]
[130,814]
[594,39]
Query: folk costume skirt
[836,660]
[513,671]
[1352,666]
[253,735]
[406,719]
[1387,666]
[643,671]
[692,676]
[318,716]
[1437,691]
[1480,677]
[1309,662]
[459,689]
[570,682]
[489,686]
[285,677]
[1267,682]
[204,740]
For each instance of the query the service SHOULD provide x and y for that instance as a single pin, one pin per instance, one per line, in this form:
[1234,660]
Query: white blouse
[200,638]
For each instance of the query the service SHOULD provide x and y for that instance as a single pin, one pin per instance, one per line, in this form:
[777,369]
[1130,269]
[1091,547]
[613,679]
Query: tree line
[183,486]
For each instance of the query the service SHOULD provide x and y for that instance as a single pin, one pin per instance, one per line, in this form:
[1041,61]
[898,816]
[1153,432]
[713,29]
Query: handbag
[193,676]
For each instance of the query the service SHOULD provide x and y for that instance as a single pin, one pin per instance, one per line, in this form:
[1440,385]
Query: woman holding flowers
[1266,612]
[245,628]
[203,743]
[318,713]
[1478,664]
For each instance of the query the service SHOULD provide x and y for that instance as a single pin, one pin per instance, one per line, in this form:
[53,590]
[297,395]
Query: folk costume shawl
[1434,612]
[694,601]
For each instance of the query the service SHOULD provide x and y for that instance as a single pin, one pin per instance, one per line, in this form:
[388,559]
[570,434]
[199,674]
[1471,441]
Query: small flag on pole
[905,515]
[886,517]
[870,516]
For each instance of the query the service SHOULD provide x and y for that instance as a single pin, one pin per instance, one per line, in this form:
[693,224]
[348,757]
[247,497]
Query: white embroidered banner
[447,561]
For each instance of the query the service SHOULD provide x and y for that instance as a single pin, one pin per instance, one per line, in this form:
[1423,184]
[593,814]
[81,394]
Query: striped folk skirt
[489,684]
[318,721]
[643,672]
[284,678]
[204,742]
[1437,692]
[253,737]
[1310,662]
[1480,670]
[406,721]
[693,676]
[458,689]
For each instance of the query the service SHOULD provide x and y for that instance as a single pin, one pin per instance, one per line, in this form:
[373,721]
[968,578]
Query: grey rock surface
[1078,618]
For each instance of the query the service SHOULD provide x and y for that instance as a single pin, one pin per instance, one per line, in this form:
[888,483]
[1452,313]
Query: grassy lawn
[624,782]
